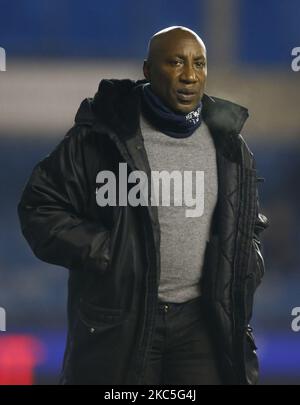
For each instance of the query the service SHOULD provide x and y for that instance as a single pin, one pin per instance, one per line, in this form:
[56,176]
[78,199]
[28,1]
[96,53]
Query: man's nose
[188,73]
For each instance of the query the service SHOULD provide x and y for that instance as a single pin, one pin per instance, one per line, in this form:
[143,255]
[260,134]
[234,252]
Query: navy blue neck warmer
[166,120]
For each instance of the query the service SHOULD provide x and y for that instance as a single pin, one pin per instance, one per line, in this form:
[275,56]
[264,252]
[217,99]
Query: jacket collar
[116,105]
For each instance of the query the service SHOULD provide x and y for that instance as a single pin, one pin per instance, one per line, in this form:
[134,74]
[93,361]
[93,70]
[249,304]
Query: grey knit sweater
[184,229]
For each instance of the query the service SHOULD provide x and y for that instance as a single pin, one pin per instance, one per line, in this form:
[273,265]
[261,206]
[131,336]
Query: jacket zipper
[233,297]
[239,300]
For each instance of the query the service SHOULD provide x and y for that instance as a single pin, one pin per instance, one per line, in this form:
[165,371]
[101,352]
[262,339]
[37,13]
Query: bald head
[176,68]
[162,39]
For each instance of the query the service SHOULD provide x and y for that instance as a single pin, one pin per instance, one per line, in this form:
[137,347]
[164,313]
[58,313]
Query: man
[155,296]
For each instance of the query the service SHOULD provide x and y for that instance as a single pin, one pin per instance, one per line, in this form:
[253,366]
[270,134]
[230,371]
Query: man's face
[177,72]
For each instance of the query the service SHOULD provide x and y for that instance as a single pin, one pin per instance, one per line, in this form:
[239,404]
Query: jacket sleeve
[51,210]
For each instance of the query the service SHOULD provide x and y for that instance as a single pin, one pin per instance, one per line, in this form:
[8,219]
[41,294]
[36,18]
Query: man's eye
[200,64]
[176,62]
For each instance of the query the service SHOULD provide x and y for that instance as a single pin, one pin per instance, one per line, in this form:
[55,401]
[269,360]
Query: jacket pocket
[95,317]
[98,345]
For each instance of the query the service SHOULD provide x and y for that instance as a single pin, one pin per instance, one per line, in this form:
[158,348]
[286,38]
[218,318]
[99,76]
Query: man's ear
[146,70]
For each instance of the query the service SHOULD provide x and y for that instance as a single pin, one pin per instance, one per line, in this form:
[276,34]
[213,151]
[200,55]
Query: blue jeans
[182,351]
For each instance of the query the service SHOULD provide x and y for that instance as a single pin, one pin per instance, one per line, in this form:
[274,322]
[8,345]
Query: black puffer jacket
[113,252]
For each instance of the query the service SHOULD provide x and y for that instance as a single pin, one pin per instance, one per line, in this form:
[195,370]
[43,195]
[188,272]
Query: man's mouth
[185,95]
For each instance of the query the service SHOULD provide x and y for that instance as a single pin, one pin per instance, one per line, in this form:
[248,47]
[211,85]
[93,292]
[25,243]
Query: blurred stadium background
[57,52]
